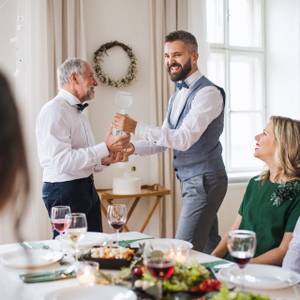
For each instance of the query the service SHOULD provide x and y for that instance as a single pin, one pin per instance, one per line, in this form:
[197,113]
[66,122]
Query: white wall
[127,22]
[230,206]
[283,57]
[8,14]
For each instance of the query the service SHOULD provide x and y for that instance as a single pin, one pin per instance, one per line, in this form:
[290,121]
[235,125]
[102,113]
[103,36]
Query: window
[235,32]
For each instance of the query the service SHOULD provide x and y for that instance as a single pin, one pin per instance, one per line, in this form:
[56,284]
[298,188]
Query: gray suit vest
[206,154]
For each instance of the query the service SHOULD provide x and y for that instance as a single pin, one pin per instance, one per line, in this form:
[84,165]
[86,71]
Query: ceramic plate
[259,276]
[90,239]
[32,258]
[94,238]
[171,242]
[96,292]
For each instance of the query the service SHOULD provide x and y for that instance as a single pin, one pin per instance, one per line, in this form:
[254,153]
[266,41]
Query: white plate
[257,276]
[171,242]
[96,292]
[32,258]
[94,238]
[90,239]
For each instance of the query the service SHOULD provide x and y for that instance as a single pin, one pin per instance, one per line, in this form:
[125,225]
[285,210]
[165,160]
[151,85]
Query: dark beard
[185,70]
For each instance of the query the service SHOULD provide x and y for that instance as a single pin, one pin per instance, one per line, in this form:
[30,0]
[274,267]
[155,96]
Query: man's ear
[195,57]
[74,78]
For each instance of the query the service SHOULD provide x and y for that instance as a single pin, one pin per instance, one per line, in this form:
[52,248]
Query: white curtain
[48,31]
[165,16]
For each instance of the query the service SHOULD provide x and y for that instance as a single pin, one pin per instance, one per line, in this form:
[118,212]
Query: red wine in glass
[116,216]
[60,225]
[117,225]
[161,269]
[241,258]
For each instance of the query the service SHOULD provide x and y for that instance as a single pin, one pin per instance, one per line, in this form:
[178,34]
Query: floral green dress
[269,209]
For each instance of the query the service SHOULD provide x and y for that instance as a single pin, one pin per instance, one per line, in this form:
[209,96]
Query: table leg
[103,208]
[150,214]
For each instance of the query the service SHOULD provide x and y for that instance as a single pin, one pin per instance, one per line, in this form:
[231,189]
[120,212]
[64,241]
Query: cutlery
[49,275]
[27,245]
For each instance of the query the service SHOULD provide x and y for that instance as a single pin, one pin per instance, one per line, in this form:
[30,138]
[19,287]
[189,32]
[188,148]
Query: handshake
[119,146]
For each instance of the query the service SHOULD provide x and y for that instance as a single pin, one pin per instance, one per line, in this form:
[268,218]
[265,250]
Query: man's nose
[171,61]
[95,83]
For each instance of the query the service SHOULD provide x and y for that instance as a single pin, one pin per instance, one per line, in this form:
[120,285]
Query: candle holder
[86,273]
[181,253]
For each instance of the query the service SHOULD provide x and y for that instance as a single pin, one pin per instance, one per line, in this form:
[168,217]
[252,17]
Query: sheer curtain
[165,16]
[48,31]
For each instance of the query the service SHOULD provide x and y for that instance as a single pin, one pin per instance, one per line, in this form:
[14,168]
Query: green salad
[184,278]
[226,294]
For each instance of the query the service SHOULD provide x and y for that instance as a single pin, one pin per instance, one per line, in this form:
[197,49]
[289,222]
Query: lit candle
[86,273]
[182,253]
[180,257]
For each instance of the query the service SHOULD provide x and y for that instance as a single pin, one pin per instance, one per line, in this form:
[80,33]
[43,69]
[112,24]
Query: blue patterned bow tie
[181,84]
[81,107]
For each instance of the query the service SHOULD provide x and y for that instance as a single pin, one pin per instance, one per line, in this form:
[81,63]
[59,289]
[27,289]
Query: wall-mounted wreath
[104,78]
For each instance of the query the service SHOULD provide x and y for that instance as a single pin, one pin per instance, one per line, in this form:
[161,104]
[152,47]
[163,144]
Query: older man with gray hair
[66,146]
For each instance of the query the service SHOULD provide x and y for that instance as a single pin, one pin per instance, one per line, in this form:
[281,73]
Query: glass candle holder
[86,273]
[181,253]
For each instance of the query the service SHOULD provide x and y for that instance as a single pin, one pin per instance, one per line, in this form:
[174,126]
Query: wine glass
[159,260]
[58,220]
[116,216]
[241,245]
[76,230]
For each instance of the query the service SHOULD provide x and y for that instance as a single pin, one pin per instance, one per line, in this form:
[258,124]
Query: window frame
[226,49]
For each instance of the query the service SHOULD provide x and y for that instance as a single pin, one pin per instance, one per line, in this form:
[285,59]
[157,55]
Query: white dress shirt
[66,145]
[206,106]
[291,260]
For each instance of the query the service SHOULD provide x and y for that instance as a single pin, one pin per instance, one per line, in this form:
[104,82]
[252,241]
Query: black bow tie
[181,84]
[81,107]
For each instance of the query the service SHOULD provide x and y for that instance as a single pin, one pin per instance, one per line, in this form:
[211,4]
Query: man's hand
[129,150]
[117,143]
[124,123]
[114,157]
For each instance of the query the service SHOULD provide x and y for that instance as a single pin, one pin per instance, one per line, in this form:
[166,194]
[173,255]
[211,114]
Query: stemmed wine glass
[241,245]
[76,230]
[58,220]
[117,216]
[159,260]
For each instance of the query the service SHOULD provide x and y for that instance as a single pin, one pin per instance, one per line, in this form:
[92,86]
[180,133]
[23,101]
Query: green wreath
[104,78]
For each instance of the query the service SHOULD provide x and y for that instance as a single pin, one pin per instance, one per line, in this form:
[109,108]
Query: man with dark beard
[66,146]
[192,128]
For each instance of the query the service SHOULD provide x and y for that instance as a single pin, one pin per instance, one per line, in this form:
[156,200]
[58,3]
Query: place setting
[137,266]
[241,246]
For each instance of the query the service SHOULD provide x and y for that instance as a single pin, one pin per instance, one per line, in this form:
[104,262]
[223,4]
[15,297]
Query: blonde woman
[271,204]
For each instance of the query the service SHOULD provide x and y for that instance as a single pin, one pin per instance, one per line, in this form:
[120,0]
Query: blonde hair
[287,139]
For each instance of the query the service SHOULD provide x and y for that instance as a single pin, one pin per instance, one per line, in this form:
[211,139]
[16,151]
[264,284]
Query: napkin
[216,265]
[34,245]
[126,243]
[48,275]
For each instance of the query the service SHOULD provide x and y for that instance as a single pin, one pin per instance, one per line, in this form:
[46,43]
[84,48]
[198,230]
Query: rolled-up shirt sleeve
[291,260]
[207,106]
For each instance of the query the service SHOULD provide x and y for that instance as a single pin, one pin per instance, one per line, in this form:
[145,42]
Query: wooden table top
[146,190]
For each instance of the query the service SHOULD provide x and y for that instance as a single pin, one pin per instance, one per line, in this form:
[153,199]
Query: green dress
[269,209]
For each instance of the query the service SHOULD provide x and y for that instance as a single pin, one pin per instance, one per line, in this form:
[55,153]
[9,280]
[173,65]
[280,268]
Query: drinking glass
[58,220]
[241,245]
[76,230]
[117,216]
[159,260]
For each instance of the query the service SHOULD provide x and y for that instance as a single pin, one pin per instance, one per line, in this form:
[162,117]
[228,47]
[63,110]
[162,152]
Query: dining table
[12,287]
